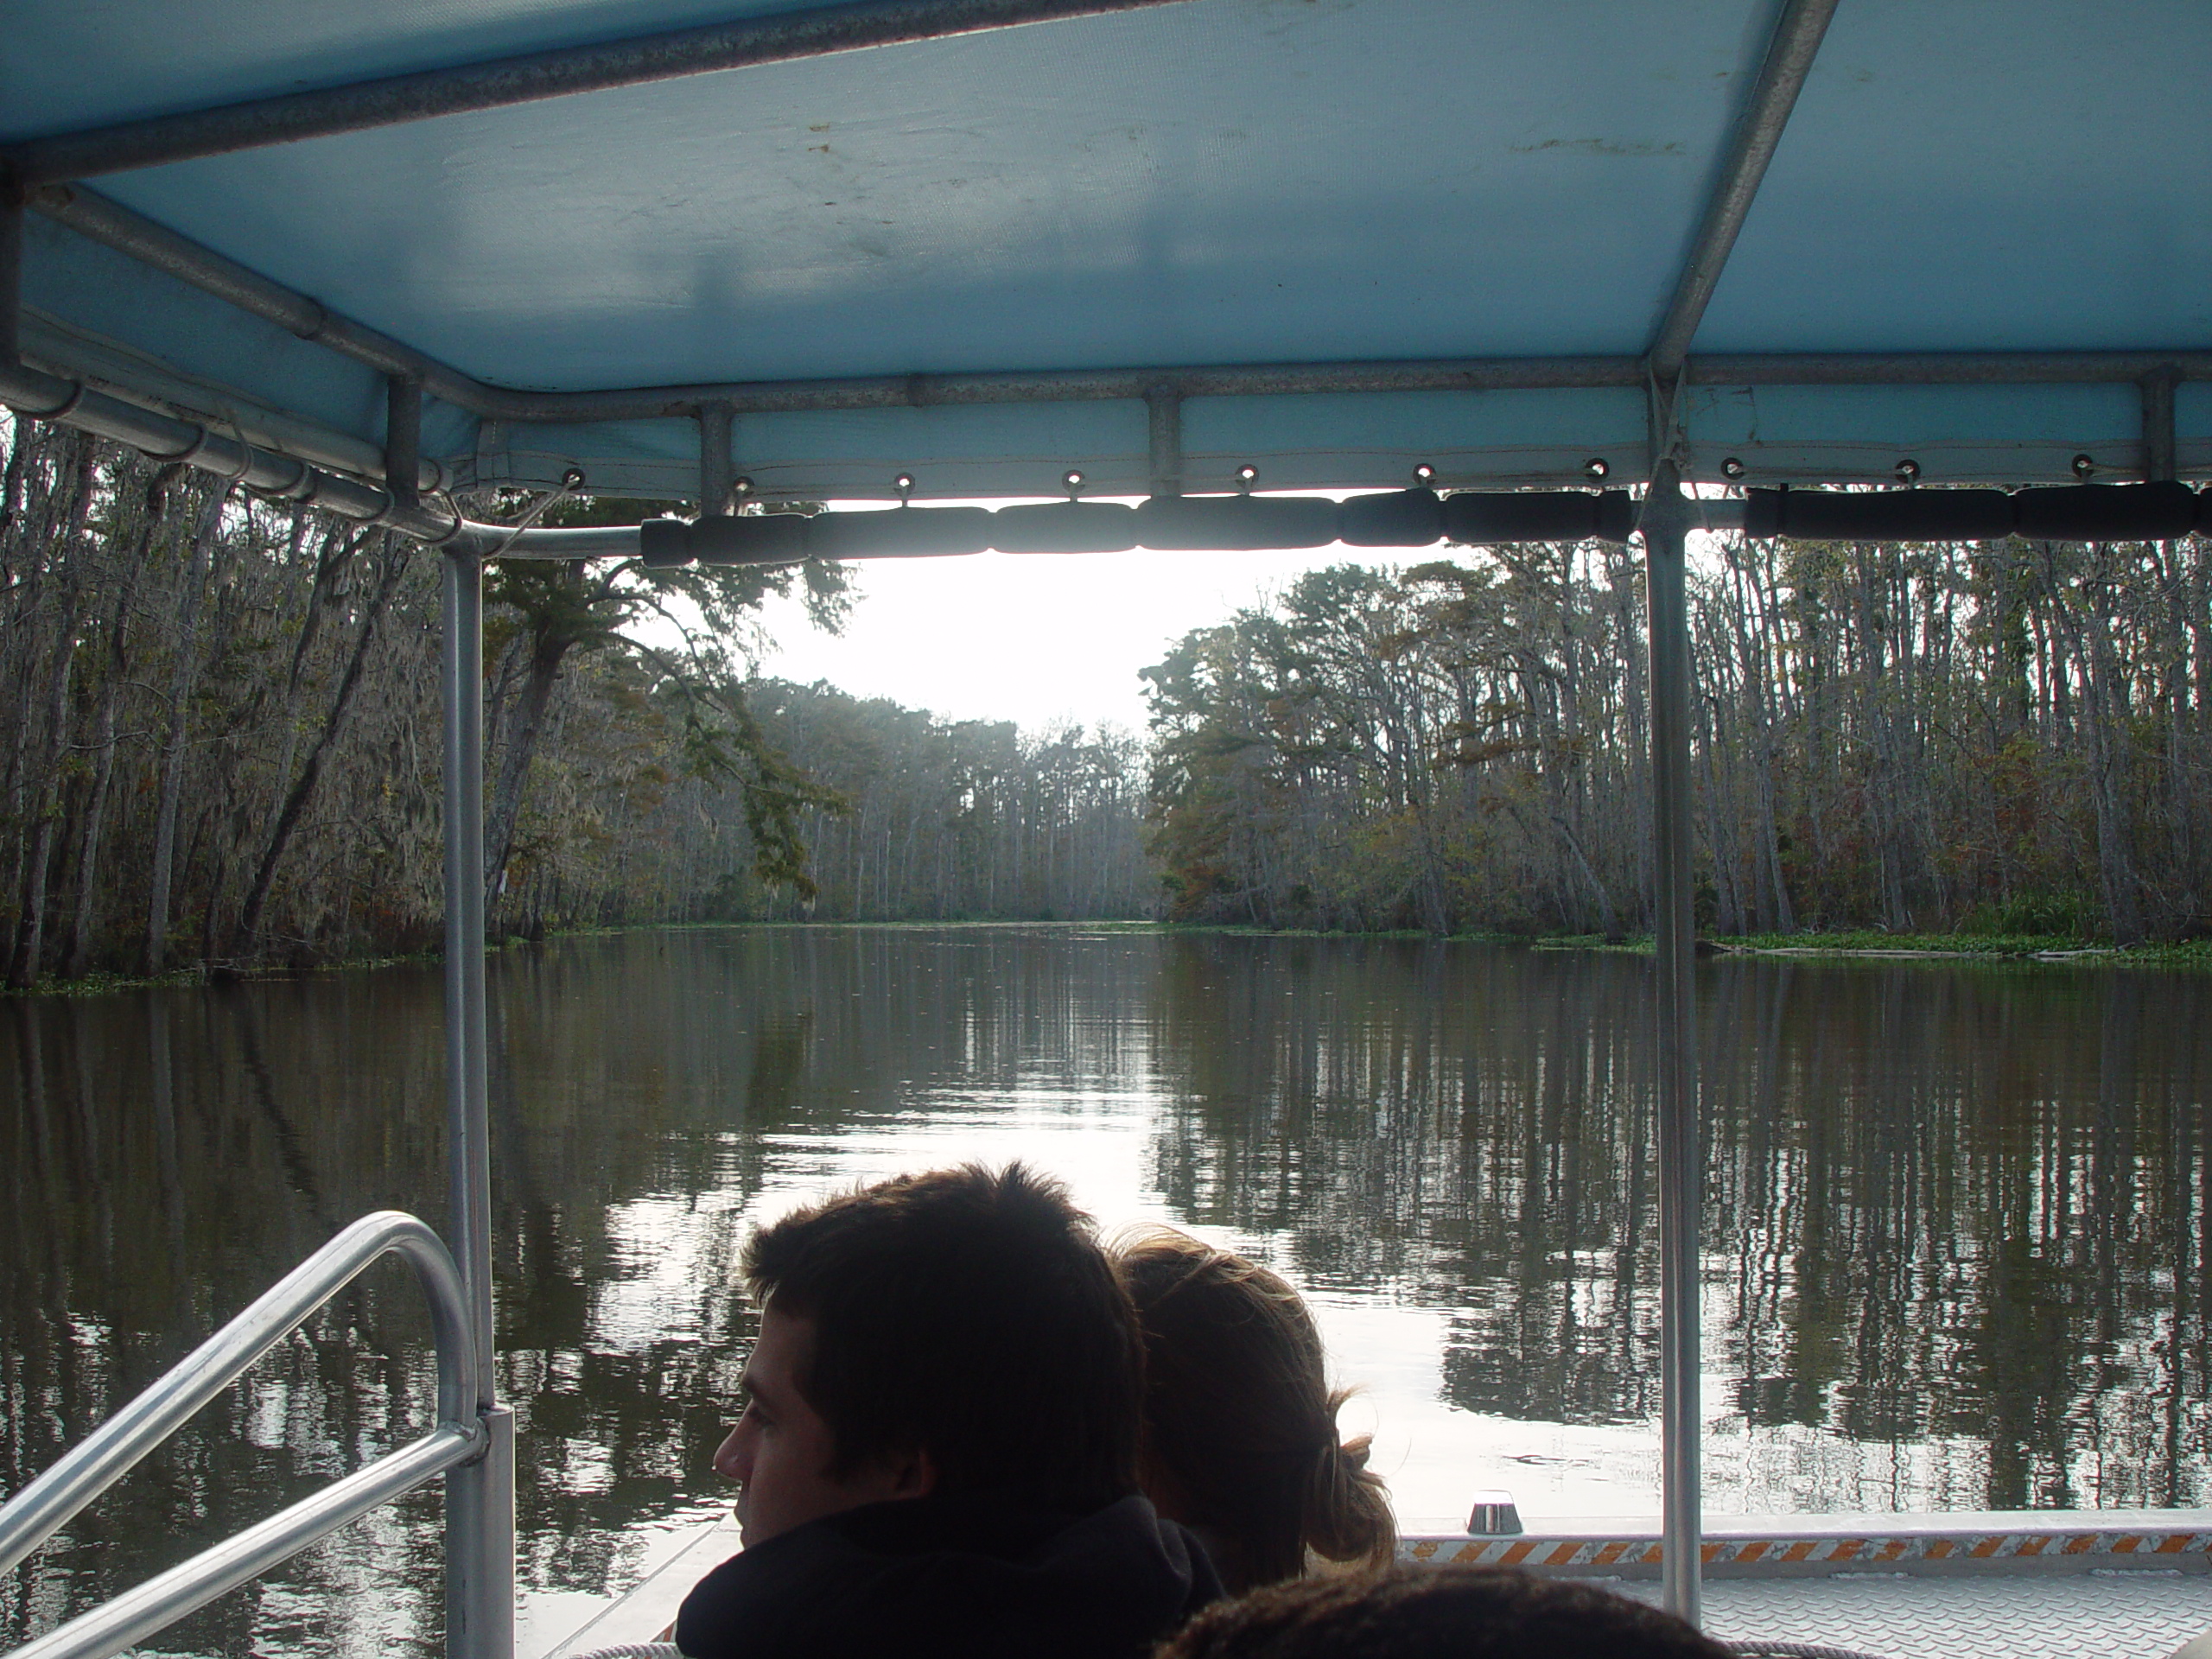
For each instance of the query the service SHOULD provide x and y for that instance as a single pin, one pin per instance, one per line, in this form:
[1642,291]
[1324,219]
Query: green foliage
[955,820]
[774,792]
[2007,741]
[2039,915]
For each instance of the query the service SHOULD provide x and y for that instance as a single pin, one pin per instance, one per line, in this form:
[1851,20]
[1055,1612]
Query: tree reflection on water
[1955,1227]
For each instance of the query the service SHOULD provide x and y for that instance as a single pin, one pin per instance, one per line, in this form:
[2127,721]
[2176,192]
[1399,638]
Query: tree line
[223,743]
[2013,738]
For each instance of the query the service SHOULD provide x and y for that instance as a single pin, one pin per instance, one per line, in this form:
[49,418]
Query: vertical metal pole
[1164,418]
[717,473]
[402,440]
[11,270]
[479,1496]
[2159,457]
[1665,530]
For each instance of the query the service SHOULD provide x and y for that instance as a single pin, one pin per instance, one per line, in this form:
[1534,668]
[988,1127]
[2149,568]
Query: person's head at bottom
[938,1450]
[1438,1613]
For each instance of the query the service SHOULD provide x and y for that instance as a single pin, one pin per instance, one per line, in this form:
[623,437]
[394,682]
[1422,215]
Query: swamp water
[1955,1251]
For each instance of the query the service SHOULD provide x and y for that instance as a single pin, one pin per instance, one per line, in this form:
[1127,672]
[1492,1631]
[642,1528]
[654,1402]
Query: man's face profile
[781,1449]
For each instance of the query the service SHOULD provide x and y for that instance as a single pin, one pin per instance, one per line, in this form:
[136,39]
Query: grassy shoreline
[1864,944]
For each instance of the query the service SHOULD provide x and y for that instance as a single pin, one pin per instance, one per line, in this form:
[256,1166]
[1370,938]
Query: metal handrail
[36,1513]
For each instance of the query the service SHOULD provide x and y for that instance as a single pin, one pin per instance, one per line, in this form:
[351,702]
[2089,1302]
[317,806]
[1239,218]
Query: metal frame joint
[1163,404]
[402,440]
[717,466]
[13,200]
[2161,448]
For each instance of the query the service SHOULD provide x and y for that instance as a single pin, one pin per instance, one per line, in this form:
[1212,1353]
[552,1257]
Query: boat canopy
[1170,244]
[357,252]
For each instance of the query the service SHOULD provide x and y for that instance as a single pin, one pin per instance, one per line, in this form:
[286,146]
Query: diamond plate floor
[2119,1615]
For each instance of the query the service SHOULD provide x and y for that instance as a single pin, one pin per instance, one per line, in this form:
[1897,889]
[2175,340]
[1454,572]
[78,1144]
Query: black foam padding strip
[2105,512]
[1481,517]
[1762,511]
[1398,518]
[1231,524]
[771,538]
[900,533]
[1879,515]
[1065,527]
[663,543]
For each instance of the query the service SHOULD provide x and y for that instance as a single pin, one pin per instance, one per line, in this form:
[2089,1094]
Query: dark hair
[968,1313]
[1240,1425]
[1437,1612]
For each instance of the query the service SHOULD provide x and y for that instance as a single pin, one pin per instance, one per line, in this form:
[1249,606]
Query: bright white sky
[1032,638]
[1038,638]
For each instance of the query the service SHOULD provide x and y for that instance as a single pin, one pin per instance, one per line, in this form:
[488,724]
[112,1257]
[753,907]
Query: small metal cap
[904,484]
[1596,467]
[1908,471]
[1072,479]
[1731,467]
[1494,1515]
[1424,474]
[1248,475]
[573,479]
[2084,466]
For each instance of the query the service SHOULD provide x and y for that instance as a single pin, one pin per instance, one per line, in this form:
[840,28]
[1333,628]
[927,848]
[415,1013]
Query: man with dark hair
[938,1454]
[1429,1612]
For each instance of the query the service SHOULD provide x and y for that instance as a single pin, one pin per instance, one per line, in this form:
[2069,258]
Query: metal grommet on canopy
[1908,471]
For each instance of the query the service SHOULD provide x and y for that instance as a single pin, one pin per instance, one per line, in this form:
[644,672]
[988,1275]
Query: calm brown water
[1955,1241]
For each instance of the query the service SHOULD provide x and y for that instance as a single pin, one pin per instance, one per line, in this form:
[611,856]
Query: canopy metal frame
[99,219]
[303,462]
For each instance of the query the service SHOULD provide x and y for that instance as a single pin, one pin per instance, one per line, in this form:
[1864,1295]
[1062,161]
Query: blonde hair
[1240,1425]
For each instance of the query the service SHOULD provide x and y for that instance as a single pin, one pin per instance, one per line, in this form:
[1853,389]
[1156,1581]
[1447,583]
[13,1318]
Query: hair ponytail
[1347,1511]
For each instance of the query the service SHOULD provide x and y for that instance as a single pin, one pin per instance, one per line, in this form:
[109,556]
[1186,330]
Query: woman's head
[1240,1426]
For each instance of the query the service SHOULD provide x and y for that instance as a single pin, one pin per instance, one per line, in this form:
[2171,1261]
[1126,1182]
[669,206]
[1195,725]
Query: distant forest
[2014,738]
[223,744]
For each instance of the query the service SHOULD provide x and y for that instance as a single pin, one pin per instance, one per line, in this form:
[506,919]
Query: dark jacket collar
[974,1576]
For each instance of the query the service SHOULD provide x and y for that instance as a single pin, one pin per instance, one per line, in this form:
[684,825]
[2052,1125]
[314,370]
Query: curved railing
[44,1506]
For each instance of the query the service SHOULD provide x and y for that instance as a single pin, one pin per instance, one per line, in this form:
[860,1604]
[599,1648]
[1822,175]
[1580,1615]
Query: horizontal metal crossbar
[73,403]
[1796,38]
[529,77]
[1407,519]
[112,225]
[160,1602]
[80,355]
[34,1514]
